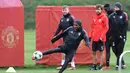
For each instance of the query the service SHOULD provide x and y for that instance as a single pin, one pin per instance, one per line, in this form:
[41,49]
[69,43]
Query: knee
[94,53]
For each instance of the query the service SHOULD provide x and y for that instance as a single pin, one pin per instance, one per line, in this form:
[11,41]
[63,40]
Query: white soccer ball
[37,55]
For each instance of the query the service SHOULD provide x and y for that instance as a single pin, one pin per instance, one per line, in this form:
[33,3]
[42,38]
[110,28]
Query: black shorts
[97,46]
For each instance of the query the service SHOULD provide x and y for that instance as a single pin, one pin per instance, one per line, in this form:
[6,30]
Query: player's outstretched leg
[55,50]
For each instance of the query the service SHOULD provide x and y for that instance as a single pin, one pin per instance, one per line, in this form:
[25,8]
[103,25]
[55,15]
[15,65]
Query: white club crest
[79,33]
[113,16]
[71,32]
[121,17]
[100,20]
[67,19]
[62,20]
[10,37]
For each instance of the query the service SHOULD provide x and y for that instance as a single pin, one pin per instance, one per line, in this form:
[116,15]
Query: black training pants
[108,45]
[68,57]
[118,49]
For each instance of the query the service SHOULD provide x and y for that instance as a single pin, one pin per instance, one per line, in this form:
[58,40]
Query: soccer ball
[37,55]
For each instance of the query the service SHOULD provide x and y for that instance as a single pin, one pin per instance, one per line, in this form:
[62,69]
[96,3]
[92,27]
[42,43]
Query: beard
[98,13]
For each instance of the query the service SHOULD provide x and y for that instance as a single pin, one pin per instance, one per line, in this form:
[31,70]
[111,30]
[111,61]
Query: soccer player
[66,21]
[74,35]
[119,24]
[98,35]
[108,43]
[108,9]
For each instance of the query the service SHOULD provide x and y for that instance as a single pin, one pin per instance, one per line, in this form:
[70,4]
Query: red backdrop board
[11,33]
[47,19]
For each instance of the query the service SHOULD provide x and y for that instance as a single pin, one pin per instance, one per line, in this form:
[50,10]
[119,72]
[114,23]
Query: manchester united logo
[10,37]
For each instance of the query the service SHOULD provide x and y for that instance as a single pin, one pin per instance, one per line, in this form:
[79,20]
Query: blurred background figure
[66,21]
[119,24]
[98,35]
[108,42]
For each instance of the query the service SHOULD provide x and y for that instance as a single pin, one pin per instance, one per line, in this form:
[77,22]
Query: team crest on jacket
[100,20]
[121,17]
[79,33]
[67,19]
[10,37]
[94,20]
[113,16]
[71,32]
[62,20]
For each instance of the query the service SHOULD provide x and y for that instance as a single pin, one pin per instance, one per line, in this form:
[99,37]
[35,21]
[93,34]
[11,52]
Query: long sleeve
[91,31]
[58,30]
[86,39]
[57,37]
[72,20]
[125,25]
[106,27]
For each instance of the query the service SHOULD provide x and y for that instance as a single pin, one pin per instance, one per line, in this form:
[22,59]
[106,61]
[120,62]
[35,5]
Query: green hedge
[30,7]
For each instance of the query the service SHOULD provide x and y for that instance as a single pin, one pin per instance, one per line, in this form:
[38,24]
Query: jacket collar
[67,15]
[99,16]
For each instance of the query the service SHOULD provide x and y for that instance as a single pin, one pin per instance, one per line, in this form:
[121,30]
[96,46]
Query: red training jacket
[99,27]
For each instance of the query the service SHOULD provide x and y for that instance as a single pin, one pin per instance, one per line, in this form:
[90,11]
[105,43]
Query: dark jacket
[119,24]
[73,38]
[110,12]
[65,22]
[109,33]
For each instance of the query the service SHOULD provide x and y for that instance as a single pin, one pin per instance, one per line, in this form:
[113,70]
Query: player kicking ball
[74,34]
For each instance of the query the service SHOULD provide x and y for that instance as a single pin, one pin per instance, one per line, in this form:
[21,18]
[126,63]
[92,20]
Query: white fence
[119,71]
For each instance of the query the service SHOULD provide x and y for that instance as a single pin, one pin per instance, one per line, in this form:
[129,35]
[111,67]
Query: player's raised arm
[58,30]
[60,35]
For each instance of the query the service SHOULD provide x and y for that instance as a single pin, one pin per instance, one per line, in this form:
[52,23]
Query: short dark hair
[64,6]
[106,5]
[99,6]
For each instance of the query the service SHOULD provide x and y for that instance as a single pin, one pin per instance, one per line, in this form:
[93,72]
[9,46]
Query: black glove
[54,39]
[88,45]
[121,37]
[100,40]
[90,39]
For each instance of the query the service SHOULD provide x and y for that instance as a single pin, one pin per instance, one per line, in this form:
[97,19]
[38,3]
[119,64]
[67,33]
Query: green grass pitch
[30,66]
